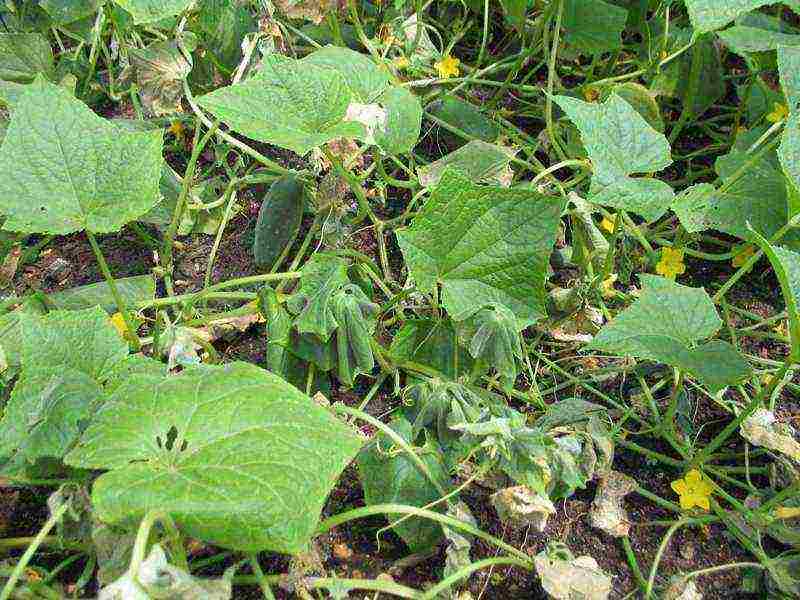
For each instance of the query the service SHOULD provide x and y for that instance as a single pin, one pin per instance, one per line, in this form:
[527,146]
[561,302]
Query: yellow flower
[744,254]
[607,224]
[176,129]
[671,263]
[787,512]
[118,321]
[693,490]
[607,287]
[401,63]
[782,328]
[447,67]
[779,113]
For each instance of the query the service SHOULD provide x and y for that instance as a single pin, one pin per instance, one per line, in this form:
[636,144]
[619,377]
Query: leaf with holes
[669,323]
[237,456]
[483,245]
[64,169]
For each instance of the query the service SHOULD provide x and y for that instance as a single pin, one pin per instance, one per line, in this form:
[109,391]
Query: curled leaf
[761,429]
[607,512]
[520,506]
[323,276]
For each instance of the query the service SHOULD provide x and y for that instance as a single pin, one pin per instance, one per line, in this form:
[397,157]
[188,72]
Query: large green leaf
[483,245]
[148,11]
[789,150]
[708,15]
[64,169]
[744,39]
[365,80]
[787,267]
[237,456]
[289,103]
[667,324]
[133,290]
[46,413]
[620,143]
[24,55]
[84,340]
[390,476]
[64,12]
[789,68]
[593,26]
[323,276]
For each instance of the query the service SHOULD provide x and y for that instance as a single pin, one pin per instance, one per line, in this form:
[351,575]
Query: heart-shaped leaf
[236,455]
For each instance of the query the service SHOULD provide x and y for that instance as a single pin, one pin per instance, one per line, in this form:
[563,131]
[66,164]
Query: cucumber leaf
[237,456]
[391,477]
[289,103]
[620,143]
[483,245]
[668,324]
[477,161]
[149,11]
[355,316]
[133,290]
[493,340]
[787,268]
[432,343]
[323,276]
[593,26]
[24,55]
[46,413]
[708,15]
[64,169]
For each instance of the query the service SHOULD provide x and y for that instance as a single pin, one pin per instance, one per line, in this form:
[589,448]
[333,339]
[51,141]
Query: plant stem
[261,578]
[19,568]
[648,592]
[132,336]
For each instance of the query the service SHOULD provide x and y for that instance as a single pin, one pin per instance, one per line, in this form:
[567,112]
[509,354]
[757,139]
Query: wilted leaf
[520,507]
[237,456]
[323,276]
[64,169]
[608,512]
[432,343]
[483,245]
[440,404]
[160,70]
[681,588]
[564,577]
[356,318]
[156,578]
[493,340]
[459,543]
[762,429]
[311,10]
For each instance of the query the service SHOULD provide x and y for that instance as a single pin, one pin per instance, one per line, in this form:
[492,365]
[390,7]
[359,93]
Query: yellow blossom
[693,490]
[176,129]
[32,575]
[607,287]
[607,224]
[671,263]
[401,63]
[744,254]
[782,328]
[118,321]
[779,113]
[787,512]
[447,67]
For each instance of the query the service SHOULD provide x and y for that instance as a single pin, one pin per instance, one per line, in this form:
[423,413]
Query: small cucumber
[278,220]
